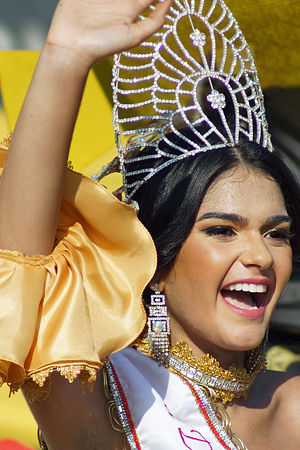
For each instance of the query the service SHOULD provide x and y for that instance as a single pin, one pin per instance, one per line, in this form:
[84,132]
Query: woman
[224,257]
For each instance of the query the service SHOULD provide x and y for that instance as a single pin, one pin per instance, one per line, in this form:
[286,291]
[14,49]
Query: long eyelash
[286,235]
[219,230]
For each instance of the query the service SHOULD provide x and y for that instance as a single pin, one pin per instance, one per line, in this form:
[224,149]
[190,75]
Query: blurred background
[272,28]
[24,24]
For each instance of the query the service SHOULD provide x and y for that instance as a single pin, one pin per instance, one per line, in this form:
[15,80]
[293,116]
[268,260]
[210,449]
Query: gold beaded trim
[25,260]
[6,141]
[38,385]
[211,367]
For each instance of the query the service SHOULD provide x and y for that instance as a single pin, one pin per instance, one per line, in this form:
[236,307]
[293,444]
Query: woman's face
[232,268]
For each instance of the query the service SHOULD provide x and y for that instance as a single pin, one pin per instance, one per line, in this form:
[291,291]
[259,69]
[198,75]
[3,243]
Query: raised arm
[82,32]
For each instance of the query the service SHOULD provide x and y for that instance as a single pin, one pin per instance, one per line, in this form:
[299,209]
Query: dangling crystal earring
[264,346]
[158,326]
[257,357]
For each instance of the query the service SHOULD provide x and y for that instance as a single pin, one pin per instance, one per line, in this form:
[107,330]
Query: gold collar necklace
[206,371]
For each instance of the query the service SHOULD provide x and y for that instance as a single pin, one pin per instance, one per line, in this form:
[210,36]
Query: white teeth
[247,287]
[236,287]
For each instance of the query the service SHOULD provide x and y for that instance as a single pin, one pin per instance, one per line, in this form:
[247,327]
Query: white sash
[164,411]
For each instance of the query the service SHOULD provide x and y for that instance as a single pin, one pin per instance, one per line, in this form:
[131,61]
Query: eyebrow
[237,218]
[279,219]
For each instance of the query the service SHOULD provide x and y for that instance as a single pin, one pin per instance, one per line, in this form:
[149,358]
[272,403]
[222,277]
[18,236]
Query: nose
[256,253]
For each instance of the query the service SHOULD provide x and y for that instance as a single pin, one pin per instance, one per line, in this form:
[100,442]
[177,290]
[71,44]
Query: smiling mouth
[245,295]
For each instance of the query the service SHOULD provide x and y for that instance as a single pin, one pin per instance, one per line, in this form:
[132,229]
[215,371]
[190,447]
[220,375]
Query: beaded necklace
[206,371]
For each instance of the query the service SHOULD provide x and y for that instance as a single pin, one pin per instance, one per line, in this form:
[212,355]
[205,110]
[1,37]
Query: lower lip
[253,313]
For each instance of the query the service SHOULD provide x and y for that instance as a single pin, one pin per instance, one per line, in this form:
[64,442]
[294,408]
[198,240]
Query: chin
[244,341]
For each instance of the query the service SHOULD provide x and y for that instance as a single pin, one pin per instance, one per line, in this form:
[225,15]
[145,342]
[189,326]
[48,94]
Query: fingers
[94,30]
[153,23]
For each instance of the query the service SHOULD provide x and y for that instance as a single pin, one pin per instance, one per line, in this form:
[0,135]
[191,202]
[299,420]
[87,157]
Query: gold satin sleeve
[68,310]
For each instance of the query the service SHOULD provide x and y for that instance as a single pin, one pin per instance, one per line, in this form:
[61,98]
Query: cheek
[283,266]
[204,258]
[200,267]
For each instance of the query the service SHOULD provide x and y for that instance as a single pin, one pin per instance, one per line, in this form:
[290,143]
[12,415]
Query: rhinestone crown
[196,73]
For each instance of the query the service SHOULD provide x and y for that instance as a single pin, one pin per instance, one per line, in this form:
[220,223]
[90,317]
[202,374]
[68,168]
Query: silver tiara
[191,87]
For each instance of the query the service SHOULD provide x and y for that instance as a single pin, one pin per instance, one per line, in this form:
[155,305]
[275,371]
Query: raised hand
[81,33]
[94,29]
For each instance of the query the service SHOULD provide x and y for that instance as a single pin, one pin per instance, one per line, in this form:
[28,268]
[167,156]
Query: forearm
[81,34]
[40,147]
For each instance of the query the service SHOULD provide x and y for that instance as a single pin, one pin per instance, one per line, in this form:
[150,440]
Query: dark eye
[279,234]
[221,231]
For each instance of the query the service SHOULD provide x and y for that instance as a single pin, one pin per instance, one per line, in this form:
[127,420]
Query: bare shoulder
[277,380]
[71,420]
[284,387]
[272,410]
[286,393]
[282,399]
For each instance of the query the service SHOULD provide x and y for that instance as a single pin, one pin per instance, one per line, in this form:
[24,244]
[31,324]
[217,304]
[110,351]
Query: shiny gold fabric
[70,309]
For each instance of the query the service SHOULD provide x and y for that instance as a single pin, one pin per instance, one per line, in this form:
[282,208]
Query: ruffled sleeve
[68,310]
